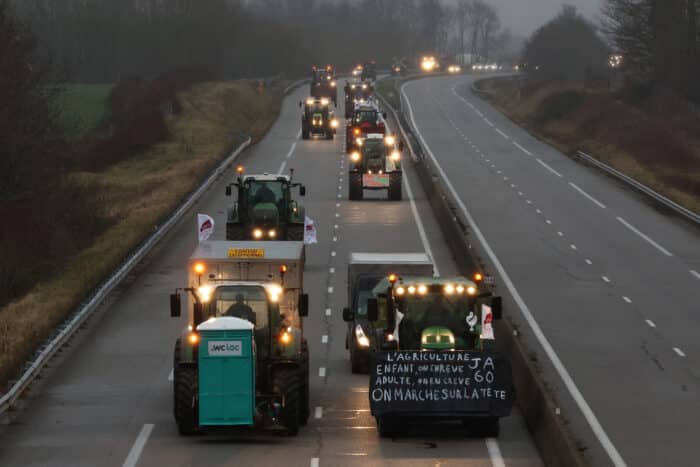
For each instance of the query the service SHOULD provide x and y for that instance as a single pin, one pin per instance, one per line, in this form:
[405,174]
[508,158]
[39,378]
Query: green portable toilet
[226,372]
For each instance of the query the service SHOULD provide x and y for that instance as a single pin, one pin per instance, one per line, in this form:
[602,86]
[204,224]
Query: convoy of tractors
[242,359]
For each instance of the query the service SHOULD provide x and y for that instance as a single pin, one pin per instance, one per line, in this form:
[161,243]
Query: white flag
[486,323]
[309,231]
[205,227]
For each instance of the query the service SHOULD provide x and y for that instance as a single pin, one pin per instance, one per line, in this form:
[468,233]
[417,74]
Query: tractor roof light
[471,290]
[478,277]
[199,268]
[449,289]
[422,289]
[392,278]
[400,290]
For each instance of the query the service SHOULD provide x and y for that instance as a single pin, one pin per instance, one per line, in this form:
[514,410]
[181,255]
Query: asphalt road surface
[107,400]
[611,282]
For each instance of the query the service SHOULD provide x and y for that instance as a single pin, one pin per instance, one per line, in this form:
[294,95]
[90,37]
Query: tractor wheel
[305,134]
[355,186]
[186,404]
[388,427]
[395,187]
[329,134]
[305,404]
[295,232]
[176,362]
[286,383]
[234,231]
[357,364]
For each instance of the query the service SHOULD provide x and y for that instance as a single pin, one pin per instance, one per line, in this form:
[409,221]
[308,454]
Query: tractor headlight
[355,156]
[333,84]
[334,123]
[285,337]
[422,289]
[395,156]
[389,140]
[204,293]
[309,102]
[364,86]
[471,290]
[272,233]
[324,101]
[257,233]
[449,289]
[362,339]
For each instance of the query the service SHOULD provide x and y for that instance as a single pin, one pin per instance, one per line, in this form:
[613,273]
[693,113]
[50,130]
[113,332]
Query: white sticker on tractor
[225,348]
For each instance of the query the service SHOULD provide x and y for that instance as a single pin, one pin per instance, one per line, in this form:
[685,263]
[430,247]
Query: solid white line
[324,339]
[651,323]
[314,462]
[502,134]
[645,237]
[318,412]
[522,148]
[495,453]
[170,376]
[478,113]
[627,299]
[695,273]
[590,417]
[576,187]
[299,134]
[543,164]
[322,372]
[489,123]
[136,450]
[679,352]
[328,311]
[421,228]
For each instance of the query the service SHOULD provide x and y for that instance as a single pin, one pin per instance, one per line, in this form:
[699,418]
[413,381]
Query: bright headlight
[309,102]
[324,101]
[355,156]
[395,156]
[400,291]
[362,339]
[334,123]
[449,289]
[257,233]
[389,140]
[204,293]
[364,86]
[332,84]
[471,290]
[272,233]
[422,289]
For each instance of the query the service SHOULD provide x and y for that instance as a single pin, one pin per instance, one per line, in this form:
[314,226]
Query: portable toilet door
[226,372]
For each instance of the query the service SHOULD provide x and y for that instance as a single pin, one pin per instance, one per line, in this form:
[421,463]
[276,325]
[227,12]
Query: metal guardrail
[687,213]
[73,323]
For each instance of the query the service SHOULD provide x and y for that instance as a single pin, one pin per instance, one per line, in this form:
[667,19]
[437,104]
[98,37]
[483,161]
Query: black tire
[485,427]
[186,403]
[295,232]
[329,134]
[358,365]
[286,383]
[395,187]
[176,362]
[305,134]
[355,187]
[234,231]
[389,427]
[305,402]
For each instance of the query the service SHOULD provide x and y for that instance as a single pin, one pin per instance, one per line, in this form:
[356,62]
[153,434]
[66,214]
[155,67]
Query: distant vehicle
[375,164]
[357,70]
[398,68]
[317,118]
[454,69]
[323,83]
[264,208]
[429,63]
[356,92]
[369,71]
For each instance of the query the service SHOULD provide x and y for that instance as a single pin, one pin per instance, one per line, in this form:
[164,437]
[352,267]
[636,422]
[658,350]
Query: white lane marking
[528,201]
[489,123]
[318,412]
[324,339]
[502,134]
[336,226]
[332,253]
[627,299]
[522,148]
[330,289]
[284,164]
[543,164]
[170,376]
[590,417]
[577,188]
[495,453]
[520,193]
[560,233]
[548,222]
[322,372]
[337,205]
[337,214]
[679,352]
[538,211]
[331,270]
[589,262]
[335,239]
[573,247]
[314,462]
[645,237]
[650,323]
[695,273]
[328,311]
[421,228]
[299,134]
[291,150]
[478,113]
[137,448]
[606,279]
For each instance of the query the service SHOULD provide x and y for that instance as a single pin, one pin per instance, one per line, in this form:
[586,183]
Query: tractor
[317,119]
[375,164]
[355,93]
[264,209]
[242,360]
[323,84]
[365,119]
[369,71]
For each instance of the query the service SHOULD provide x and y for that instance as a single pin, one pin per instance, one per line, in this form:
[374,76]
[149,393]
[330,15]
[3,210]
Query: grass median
[135,196]
[652,138]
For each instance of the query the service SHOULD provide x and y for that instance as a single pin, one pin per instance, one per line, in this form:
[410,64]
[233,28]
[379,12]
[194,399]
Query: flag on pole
[487,323]
[205,227]
[309,231]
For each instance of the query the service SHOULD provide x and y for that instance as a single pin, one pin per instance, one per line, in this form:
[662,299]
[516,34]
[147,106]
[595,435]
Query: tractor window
[374,148]
[433,309]
[265,192]
[364,287]
[363,116]
[245,301]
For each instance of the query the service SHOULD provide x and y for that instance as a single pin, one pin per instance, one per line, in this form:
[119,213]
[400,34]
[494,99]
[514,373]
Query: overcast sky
[524,16]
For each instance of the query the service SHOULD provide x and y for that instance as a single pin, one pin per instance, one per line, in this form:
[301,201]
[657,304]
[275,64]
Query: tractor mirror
[497,307]
[304,305]
[300,104]
[372,310]
[348,315]
[384,115]
[302,190]
[198,313]
[228,190]
[401,146]
[175,305]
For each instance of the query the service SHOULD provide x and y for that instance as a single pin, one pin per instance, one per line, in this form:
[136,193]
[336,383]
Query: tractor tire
[395,187]
[357,364]
[286,383]
[389,427]
[234,231]
[186,404]
[295,232]
[485,427]
[305,403]
[305,134]
[176,362]
[355,187]
[329,134]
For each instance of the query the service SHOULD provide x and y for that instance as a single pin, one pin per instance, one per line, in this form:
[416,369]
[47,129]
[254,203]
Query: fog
[524,16]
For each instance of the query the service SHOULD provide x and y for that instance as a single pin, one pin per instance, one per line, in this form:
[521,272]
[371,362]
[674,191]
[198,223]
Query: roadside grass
[83,107]
[658,149]
[136,195]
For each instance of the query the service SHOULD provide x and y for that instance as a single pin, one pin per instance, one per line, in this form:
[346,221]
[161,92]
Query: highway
[604,286]
[107,399]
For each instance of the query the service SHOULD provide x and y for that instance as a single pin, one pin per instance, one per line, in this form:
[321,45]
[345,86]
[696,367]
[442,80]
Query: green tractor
[317,119]
[375,164]
[242,360]
[431,354]
[264,209]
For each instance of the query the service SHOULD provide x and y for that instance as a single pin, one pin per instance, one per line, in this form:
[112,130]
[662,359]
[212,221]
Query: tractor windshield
[266,192]
[369,116]
[247,302]
[374,148]
[434,309]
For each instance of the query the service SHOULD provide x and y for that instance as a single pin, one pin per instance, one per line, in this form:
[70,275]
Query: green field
[83,107]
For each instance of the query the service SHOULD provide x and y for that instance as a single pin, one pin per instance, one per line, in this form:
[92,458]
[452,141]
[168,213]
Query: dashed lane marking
[627,299]
[645,237]
[606,279]
[650,323]
[546,166]
[695,273]
[515,143]
[589,262]
[679,352]
[580,190]
[324,339]
[329,312]
[133,458]
[502,134]
[322,372]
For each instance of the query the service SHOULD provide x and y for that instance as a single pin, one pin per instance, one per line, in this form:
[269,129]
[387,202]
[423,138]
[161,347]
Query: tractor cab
[323,83]
[265,209]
